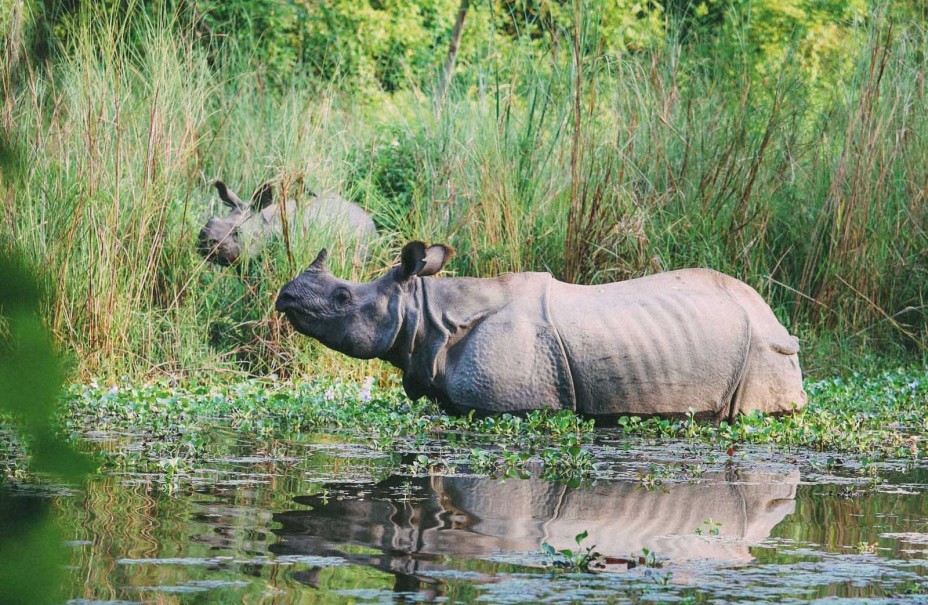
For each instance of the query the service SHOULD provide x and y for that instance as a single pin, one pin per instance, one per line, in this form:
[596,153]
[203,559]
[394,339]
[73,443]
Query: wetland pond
[265,515]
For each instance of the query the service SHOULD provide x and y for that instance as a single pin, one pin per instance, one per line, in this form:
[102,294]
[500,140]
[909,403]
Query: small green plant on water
[712,528]
[424,464]
[569,460]
[662,579]
[406,490]
[866,548]
[649,558]
[656,475]
[581,559]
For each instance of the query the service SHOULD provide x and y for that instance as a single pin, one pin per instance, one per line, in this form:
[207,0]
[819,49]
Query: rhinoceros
[474,517]
[248,227]
[666,344]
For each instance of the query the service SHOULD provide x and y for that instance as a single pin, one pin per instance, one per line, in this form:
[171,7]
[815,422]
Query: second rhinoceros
[665,344]
[225,240]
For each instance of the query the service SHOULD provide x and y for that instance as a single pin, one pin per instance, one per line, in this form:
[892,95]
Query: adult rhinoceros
[225,240]
[683,340]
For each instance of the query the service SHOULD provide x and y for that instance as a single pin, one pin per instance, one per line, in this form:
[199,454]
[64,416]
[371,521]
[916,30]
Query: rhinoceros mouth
[300,322]
[216,254]
[289,307]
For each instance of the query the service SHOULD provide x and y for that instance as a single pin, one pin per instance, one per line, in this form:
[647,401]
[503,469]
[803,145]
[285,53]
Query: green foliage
[582,559]
[650,558]
[712,528]
[31,377]
[368,45]
[687,152]
[176,422]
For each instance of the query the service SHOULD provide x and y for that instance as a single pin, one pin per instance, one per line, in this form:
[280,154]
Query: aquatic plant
[868,417]
[650,558]
[581,559]
[712,528]
[175,419]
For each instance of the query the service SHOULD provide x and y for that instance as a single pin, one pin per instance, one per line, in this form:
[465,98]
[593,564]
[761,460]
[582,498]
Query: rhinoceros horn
[318,265]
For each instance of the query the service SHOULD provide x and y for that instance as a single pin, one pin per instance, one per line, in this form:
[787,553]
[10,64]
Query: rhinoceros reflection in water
[474,517]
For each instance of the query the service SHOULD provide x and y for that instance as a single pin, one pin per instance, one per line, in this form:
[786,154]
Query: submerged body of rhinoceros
[666,344]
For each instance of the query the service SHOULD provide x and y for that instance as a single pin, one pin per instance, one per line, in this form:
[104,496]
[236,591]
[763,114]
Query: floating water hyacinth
[365,393]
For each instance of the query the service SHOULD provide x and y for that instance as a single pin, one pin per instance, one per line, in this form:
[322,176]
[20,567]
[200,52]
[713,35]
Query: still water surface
[322,519]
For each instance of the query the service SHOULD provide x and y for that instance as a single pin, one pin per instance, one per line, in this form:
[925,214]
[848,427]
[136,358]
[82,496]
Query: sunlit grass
[646,162]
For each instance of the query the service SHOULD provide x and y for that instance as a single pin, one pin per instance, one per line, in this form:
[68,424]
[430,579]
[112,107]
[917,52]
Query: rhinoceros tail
[785,346]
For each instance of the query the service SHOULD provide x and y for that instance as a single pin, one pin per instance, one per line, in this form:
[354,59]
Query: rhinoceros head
[362,320]
[224,240]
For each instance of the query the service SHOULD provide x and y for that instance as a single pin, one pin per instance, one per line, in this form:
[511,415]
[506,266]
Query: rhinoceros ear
[436,257]
[263,197]
[228,197]
[318,265]
[422,261]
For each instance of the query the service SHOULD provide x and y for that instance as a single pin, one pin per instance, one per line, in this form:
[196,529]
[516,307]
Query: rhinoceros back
[332,210]
[662,344]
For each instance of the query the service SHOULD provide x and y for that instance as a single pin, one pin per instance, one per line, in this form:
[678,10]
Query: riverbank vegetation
[856,422]
[784,145]
[781,141]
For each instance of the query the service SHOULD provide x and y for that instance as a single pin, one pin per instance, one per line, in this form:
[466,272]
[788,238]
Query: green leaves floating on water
[582,559]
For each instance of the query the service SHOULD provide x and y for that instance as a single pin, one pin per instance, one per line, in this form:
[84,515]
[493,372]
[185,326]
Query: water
[324,519]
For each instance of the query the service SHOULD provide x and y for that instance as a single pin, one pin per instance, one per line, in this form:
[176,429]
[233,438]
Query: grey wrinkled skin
[248,227]
[665,344]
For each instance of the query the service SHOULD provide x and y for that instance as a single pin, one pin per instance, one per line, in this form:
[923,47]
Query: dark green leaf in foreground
[31,378]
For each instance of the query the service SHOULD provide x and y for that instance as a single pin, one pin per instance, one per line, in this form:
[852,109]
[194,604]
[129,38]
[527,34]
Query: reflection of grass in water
[221,535]
[826,516]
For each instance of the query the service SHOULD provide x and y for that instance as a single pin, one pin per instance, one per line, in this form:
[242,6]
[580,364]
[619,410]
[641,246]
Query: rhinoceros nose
[286,300]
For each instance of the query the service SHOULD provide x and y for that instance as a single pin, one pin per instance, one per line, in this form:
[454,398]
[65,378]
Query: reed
[595,166]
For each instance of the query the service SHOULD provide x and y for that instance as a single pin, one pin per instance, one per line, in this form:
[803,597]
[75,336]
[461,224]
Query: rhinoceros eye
[342,296]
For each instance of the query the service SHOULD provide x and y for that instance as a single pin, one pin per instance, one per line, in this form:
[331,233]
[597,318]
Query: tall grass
[595,167]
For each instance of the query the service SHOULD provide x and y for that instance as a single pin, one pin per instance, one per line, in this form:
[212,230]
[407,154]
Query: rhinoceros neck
[453,304]
[434,313]
[270,219]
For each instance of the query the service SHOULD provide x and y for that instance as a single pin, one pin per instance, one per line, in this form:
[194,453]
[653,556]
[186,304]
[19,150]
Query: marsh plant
[710,528]
[864,418]
[595,148]
[581,559]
